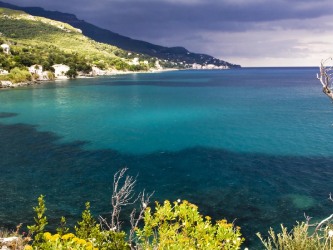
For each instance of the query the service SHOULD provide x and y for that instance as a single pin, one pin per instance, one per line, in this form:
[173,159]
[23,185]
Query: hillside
[38,40]
[174,54]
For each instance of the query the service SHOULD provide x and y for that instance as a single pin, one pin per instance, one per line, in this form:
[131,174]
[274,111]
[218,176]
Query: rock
[7,243]
[9,239]
[6,84]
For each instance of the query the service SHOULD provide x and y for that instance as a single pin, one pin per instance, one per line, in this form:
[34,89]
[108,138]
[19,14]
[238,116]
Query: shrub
[62,229]
[50,75]
[71,73]
[37,229]
[298,238]
[180,226]
[89,229]
[19,75]
[89,234]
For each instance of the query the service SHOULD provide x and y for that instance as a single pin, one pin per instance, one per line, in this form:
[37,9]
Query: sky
[246,32]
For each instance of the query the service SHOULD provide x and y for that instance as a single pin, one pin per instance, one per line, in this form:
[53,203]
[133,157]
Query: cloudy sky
[246,32]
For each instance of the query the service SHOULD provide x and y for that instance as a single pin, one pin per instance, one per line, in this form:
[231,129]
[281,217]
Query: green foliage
[37,229]
[173,226]
[180,226]
[62,229]
[298,238]
[71,73]
[50,75]
[89,235]
[87,227]
[111,240]
[19,75]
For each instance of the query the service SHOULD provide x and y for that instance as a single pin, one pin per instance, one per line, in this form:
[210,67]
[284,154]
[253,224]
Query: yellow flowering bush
[172,226]
[67,241]
[179,226]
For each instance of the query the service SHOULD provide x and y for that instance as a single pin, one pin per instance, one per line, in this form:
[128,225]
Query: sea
[251,145]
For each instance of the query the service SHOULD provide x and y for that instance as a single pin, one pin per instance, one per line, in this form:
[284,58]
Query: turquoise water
[253,144]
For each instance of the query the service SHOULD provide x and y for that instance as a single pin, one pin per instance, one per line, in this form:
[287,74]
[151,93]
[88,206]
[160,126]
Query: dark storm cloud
[156,17]
[208,26]
[232,15]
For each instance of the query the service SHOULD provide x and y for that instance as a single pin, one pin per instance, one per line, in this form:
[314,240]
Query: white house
[196,66]
[157,65]
[3,72]
[135,61]
[6,48]
[97,71]
[36,69]
[60,70]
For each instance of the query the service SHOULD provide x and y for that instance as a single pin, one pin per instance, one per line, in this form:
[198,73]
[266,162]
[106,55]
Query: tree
[325,77]
[19,75]
[71,73]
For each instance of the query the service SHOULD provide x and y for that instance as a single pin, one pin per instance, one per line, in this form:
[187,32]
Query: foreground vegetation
[177,225]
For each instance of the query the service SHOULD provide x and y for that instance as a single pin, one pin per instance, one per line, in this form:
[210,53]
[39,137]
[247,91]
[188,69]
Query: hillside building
[60,70]
[5,48]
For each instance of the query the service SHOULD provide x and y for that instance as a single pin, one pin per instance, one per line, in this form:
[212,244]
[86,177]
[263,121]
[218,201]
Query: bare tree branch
[307,218]
[320,224]
[325,77]
[144,201]
[327,220]
[123,194]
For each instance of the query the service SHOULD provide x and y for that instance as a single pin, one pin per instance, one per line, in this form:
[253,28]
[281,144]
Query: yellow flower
[47,236]
[75,239]
[28,247]
[55,237]
[67,236]
[81,242]
[89,247]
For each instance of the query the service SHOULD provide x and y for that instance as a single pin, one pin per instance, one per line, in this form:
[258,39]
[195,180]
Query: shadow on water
[257,190]
[7,115]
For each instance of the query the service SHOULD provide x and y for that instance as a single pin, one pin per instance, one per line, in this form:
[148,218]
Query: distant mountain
[174,54]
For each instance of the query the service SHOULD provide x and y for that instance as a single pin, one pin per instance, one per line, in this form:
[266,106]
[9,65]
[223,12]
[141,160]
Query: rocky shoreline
[10,85]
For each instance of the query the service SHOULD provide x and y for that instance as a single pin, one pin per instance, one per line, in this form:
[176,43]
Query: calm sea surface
[255,145]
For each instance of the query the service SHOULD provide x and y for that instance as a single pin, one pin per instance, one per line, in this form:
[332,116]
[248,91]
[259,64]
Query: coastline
[9,85]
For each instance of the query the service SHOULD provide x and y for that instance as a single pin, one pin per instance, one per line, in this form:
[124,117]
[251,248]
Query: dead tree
[322,225]
[136,218]
[325,77]
[123,194]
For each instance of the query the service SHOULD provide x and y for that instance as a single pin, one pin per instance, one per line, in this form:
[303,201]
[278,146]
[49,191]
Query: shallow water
[252,144]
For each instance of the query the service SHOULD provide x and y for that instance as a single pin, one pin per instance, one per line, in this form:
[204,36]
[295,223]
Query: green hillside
[38,40]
